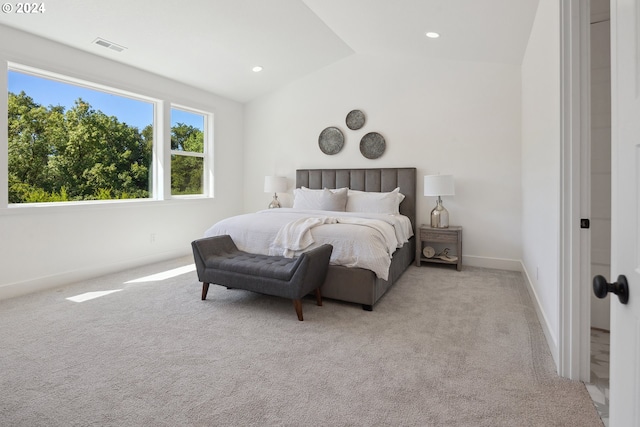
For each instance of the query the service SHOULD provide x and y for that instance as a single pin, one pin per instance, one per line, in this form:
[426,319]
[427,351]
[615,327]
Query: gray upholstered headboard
[385,179]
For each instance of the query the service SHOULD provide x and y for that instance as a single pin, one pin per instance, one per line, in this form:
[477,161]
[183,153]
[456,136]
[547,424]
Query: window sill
[42,208]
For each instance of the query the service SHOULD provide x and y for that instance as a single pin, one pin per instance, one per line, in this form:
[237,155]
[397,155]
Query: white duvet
[359,239]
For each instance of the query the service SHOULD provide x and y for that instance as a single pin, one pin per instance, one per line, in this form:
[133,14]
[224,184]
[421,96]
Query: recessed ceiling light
[432,35]
[257,69]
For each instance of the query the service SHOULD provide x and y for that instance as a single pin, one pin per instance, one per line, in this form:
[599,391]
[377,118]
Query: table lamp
[439,185]
[275,185]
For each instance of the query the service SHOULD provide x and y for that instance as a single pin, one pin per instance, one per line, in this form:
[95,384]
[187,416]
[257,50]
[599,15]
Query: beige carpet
[442,348]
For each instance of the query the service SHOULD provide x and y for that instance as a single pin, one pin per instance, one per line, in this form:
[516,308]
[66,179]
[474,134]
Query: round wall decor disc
[331,140]
[355,119]
[372,145]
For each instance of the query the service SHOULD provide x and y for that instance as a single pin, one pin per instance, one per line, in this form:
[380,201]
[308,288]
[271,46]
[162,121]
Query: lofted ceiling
[214,44]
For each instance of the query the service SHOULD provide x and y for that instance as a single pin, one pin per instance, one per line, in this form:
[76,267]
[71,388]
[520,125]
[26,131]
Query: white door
[625,200]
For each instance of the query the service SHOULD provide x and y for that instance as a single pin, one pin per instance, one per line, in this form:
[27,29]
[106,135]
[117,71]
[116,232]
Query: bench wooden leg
[205,289]
[298,306]
[318,297]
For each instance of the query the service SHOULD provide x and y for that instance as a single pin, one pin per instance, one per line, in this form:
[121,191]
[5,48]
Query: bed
[348,282]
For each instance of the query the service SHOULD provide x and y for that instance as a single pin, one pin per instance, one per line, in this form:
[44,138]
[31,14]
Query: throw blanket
[296,236]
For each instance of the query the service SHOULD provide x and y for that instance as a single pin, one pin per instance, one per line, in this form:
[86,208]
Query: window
[187,152]
[70,143]
[70,140]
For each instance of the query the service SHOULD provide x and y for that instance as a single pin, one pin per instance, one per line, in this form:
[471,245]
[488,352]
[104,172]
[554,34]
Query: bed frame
[358,285]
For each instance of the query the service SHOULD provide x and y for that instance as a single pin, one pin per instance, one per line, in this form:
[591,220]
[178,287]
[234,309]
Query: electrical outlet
[152,238]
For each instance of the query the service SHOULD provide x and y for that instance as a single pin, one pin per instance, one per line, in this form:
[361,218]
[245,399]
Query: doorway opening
[600,195]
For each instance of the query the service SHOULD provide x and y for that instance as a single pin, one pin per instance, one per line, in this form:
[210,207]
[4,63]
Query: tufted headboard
[379,180]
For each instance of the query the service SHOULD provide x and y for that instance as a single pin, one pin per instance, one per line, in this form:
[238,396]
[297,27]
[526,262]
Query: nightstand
[451,237]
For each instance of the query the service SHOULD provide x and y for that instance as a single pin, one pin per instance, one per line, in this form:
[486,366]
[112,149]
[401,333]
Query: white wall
[457,118]
[541,166]
[47,246]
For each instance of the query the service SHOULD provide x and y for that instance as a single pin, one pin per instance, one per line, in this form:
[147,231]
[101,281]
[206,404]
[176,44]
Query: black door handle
[621,288]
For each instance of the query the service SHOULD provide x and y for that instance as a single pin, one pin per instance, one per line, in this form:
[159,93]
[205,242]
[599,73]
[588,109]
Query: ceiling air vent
[108,45]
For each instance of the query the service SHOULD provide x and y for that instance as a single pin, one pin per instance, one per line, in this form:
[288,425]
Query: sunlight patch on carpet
[91,295]
[165,274]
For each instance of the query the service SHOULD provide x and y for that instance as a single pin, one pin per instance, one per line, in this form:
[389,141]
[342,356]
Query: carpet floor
[441,348]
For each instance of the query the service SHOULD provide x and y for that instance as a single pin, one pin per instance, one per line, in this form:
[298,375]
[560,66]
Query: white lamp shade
[439,185]
[275,184]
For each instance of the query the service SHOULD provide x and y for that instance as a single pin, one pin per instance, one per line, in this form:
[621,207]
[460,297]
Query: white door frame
[575,243]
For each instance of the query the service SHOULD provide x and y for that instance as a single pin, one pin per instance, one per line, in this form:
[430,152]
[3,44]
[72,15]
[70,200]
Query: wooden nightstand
[451,235]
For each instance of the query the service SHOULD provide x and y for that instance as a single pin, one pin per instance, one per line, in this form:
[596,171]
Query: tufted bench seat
[220,262]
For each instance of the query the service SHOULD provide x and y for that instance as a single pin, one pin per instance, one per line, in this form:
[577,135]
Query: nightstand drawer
[438,236]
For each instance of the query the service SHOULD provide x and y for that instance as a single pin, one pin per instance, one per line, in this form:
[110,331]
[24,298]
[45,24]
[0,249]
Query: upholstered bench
[219,261]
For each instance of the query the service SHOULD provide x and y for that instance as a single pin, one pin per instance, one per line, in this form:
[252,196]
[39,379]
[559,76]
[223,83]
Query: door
[625,198]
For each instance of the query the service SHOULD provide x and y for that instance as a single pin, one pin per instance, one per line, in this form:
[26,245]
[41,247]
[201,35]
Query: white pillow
[372,202]
[333,190]
[325,199]
[397,189]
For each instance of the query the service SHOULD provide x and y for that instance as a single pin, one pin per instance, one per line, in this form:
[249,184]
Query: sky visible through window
[130,111]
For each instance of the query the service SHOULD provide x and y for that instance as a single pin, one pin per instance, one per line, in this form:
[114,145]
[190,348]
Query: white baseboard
[548,333]
[495,263]
[12,290]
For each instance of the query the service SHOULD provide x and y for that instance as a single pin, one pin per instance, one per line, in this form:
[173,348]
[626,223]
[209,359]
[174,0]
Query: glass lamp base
[439,216]
[275,203]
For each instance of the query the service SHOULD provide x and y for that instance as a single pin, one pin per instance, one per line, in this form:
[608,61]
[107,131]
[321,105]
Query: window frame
[207,164]
[160,180]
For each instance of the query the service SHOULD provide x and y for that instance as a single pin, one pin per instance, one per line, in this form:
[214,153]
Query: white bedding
[359,239]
